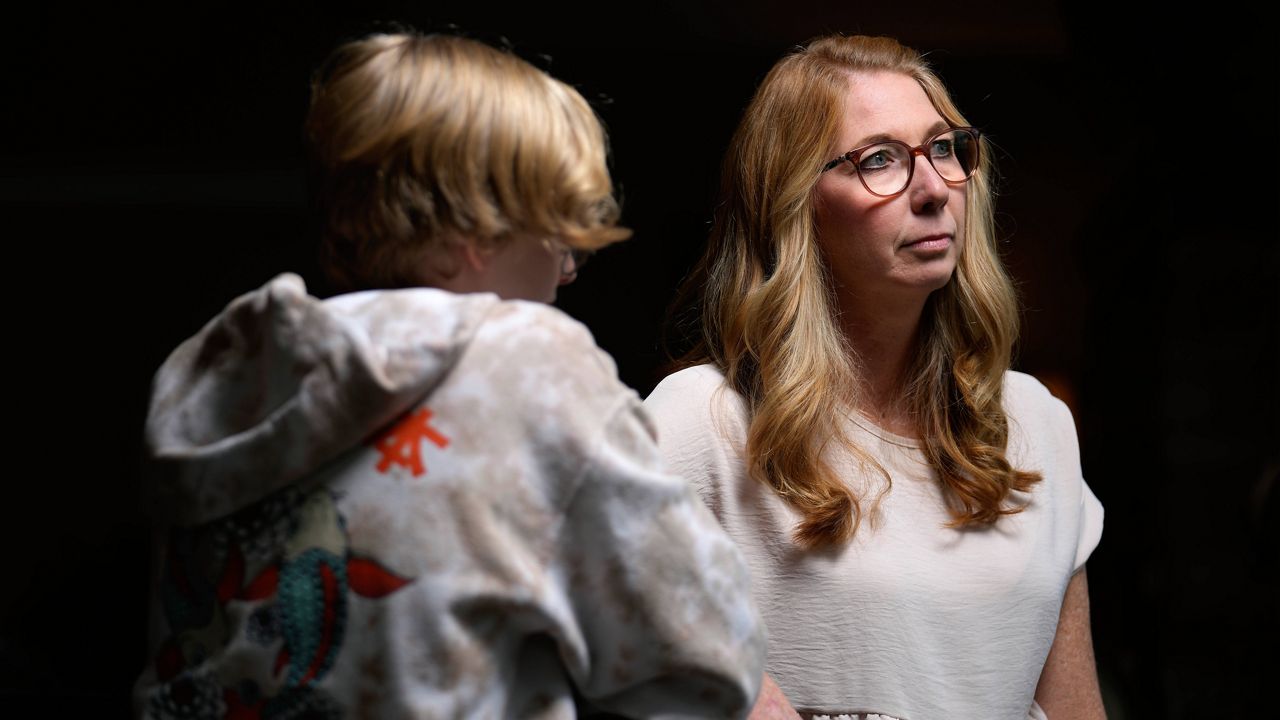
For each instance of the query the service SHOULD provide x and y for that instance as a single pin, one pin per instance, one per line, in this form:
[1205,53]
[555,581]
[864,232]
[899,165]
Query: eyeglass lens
[886,168]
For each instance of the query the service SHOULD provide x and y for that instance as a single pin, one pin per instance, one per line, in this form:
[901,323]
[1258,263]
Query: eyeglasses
[571,259]
[885,168]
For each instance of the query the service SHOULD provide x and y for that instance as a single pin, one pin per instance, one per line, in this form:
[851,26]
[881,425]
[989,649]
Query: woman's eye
[878,160]
[941,148]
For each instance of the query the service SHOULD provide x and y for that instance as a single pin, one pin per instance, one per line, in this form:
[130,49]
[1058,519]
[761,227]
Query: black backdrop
[152,169]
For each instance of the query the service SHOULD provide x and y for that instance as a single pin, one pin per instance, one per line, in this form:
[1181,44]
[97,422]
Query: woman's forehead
[887,106]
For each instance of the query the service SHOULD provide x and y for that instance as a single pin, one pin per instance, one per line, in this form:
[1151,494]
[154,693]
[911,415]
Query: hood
[281,383]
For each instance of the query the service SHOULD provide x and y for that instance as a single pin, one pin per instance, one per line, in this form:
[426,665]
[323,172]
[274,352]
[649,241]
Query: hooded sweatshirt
[414,503]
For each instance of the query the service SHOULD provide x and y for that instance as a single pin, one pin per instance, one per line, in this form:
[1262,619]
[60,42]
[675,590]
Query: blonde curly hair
[767,310]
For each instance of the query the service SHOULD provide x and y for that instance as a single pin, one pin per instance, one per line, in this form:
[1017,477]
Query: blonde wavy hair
[419,142]
[766,311]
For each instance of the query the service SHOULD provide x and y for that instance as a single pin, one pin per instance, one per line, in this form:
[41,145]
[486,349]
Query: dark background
[152,170]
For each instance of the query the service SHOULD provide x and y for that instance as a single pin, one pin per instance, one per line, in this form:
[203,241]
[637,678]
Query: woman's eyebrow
[878,137]
[935,128]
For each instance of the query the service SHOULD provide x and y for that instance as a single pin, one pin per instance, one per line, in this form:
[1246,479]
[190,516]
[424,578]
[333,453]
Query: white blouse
[911,619]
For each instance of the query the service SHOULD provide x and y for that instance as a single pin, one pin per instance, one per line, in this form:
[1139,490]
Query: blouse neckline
[893,438]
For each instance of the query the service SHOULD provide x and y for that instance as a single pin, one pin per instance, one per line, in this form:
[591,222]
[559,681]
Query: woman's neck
[883,337]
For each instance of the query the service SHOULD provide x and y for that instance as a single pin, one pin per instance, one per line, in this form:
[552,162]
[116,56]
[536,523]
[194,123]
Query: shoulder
[690,403]
[519,373]
[531,350]
[546,374]
[696,390]
[528,354]
[417,317]
[1023,391]
[702,430]
[1033,409]
[529,332]
[1042,435]
[699,379]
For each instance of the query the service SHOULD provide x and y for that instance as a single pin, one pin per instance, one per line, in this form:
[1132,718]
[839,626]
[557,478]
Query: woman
[436,501]
[912,511]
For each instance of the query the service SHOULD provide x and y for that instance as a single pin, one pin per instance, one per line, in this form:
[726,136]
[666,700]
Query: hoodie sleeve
[660,593]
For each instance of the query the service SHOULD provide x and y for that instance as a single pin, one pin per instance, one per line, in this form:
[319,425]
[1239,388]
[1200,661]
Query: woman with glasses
[425,498]
[913,512]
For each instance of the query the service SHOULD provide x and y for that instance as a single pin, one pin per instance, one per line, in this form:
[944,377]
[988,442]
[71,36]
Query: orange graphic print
[402,444]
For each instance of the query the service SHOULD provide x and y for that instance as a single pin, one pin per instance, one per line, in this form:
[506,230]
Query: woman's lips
[930,243]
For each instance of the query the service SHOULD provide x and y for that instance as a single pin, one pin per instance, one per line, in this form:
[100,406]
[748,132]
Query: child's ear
[475,257]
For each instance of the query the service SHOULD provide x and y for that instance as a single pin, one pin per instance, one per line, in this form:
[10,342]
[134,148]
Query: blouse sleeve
[660,594]
[1088,524]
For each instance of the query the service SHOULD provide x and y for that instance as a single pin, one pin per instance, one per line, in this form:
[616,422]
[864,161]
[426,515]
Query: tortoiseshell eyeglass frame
[923,149]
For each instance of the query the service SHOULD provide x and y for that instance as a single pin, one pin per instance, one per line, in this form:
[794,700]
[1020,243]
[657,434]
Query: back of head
[420,143]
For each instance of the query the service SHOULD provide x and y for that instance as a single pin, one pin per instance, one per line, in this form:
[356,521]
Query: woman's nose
[929,192]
